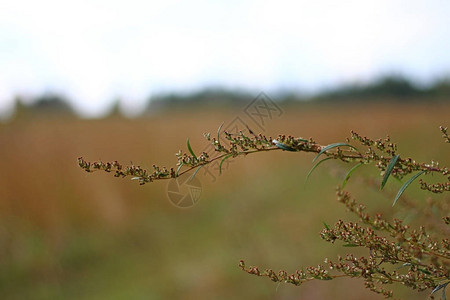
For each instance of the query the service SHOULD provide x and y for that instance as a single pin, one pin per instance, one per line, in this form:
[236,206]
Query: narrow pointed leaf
[315,166]
[347,177]
[224,159]
[190,149]
[350,245]
[178,170]
[326,226]
[218,132]
[441,286]
[331,146]
[195,172]
[389,169]
[403,188]
[424,271]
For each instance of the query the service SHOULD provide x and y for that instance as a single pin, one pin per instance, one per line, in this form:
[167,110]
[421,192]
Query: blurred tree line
[386,88]
[392,87]
[46,104]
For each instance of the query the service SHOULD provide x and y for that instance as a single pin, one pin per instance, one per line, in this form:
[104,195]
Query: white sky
[97,50]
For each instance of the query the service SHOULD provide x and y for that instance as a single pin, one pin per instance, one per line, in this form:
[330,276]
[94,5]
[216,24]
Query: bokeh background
[130,81]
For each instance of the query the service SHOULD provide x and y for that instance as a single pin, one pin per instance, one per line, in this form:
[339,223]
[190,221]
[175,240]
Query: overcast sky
[97,50]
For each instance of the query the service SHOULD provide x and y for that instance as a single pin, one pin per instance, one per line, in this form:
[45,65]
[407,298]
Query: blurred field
[66,234]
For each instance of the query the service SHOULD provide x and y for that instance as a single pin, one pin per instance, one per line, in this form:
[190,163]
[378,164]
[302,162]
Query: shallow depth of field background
[110,80]
[67,234]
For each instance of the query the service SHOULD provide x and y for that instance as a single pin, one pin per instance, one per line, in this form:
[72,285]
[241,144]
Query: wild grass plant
[418,258]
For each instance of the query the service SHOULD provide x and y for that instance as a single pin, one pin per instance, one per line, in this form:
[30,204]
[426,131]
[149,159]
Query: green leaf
[190,149]
[424,271]
[221,162]
[284,147]
[315,166]
[441,286]
[350,245]
[331,146]
[403,188]
[389,169]
[218,132]
[195,172]
[326,226]
[327,278]
[178,170]
[347,177]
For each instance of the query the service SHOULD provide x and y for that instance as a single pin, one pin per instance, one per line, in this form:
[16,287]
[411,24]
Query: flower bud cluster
[420,262]
[444,134]
[189,160]
[240,143]
[296,278]
[138,173]
[439,187]
[403,166]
